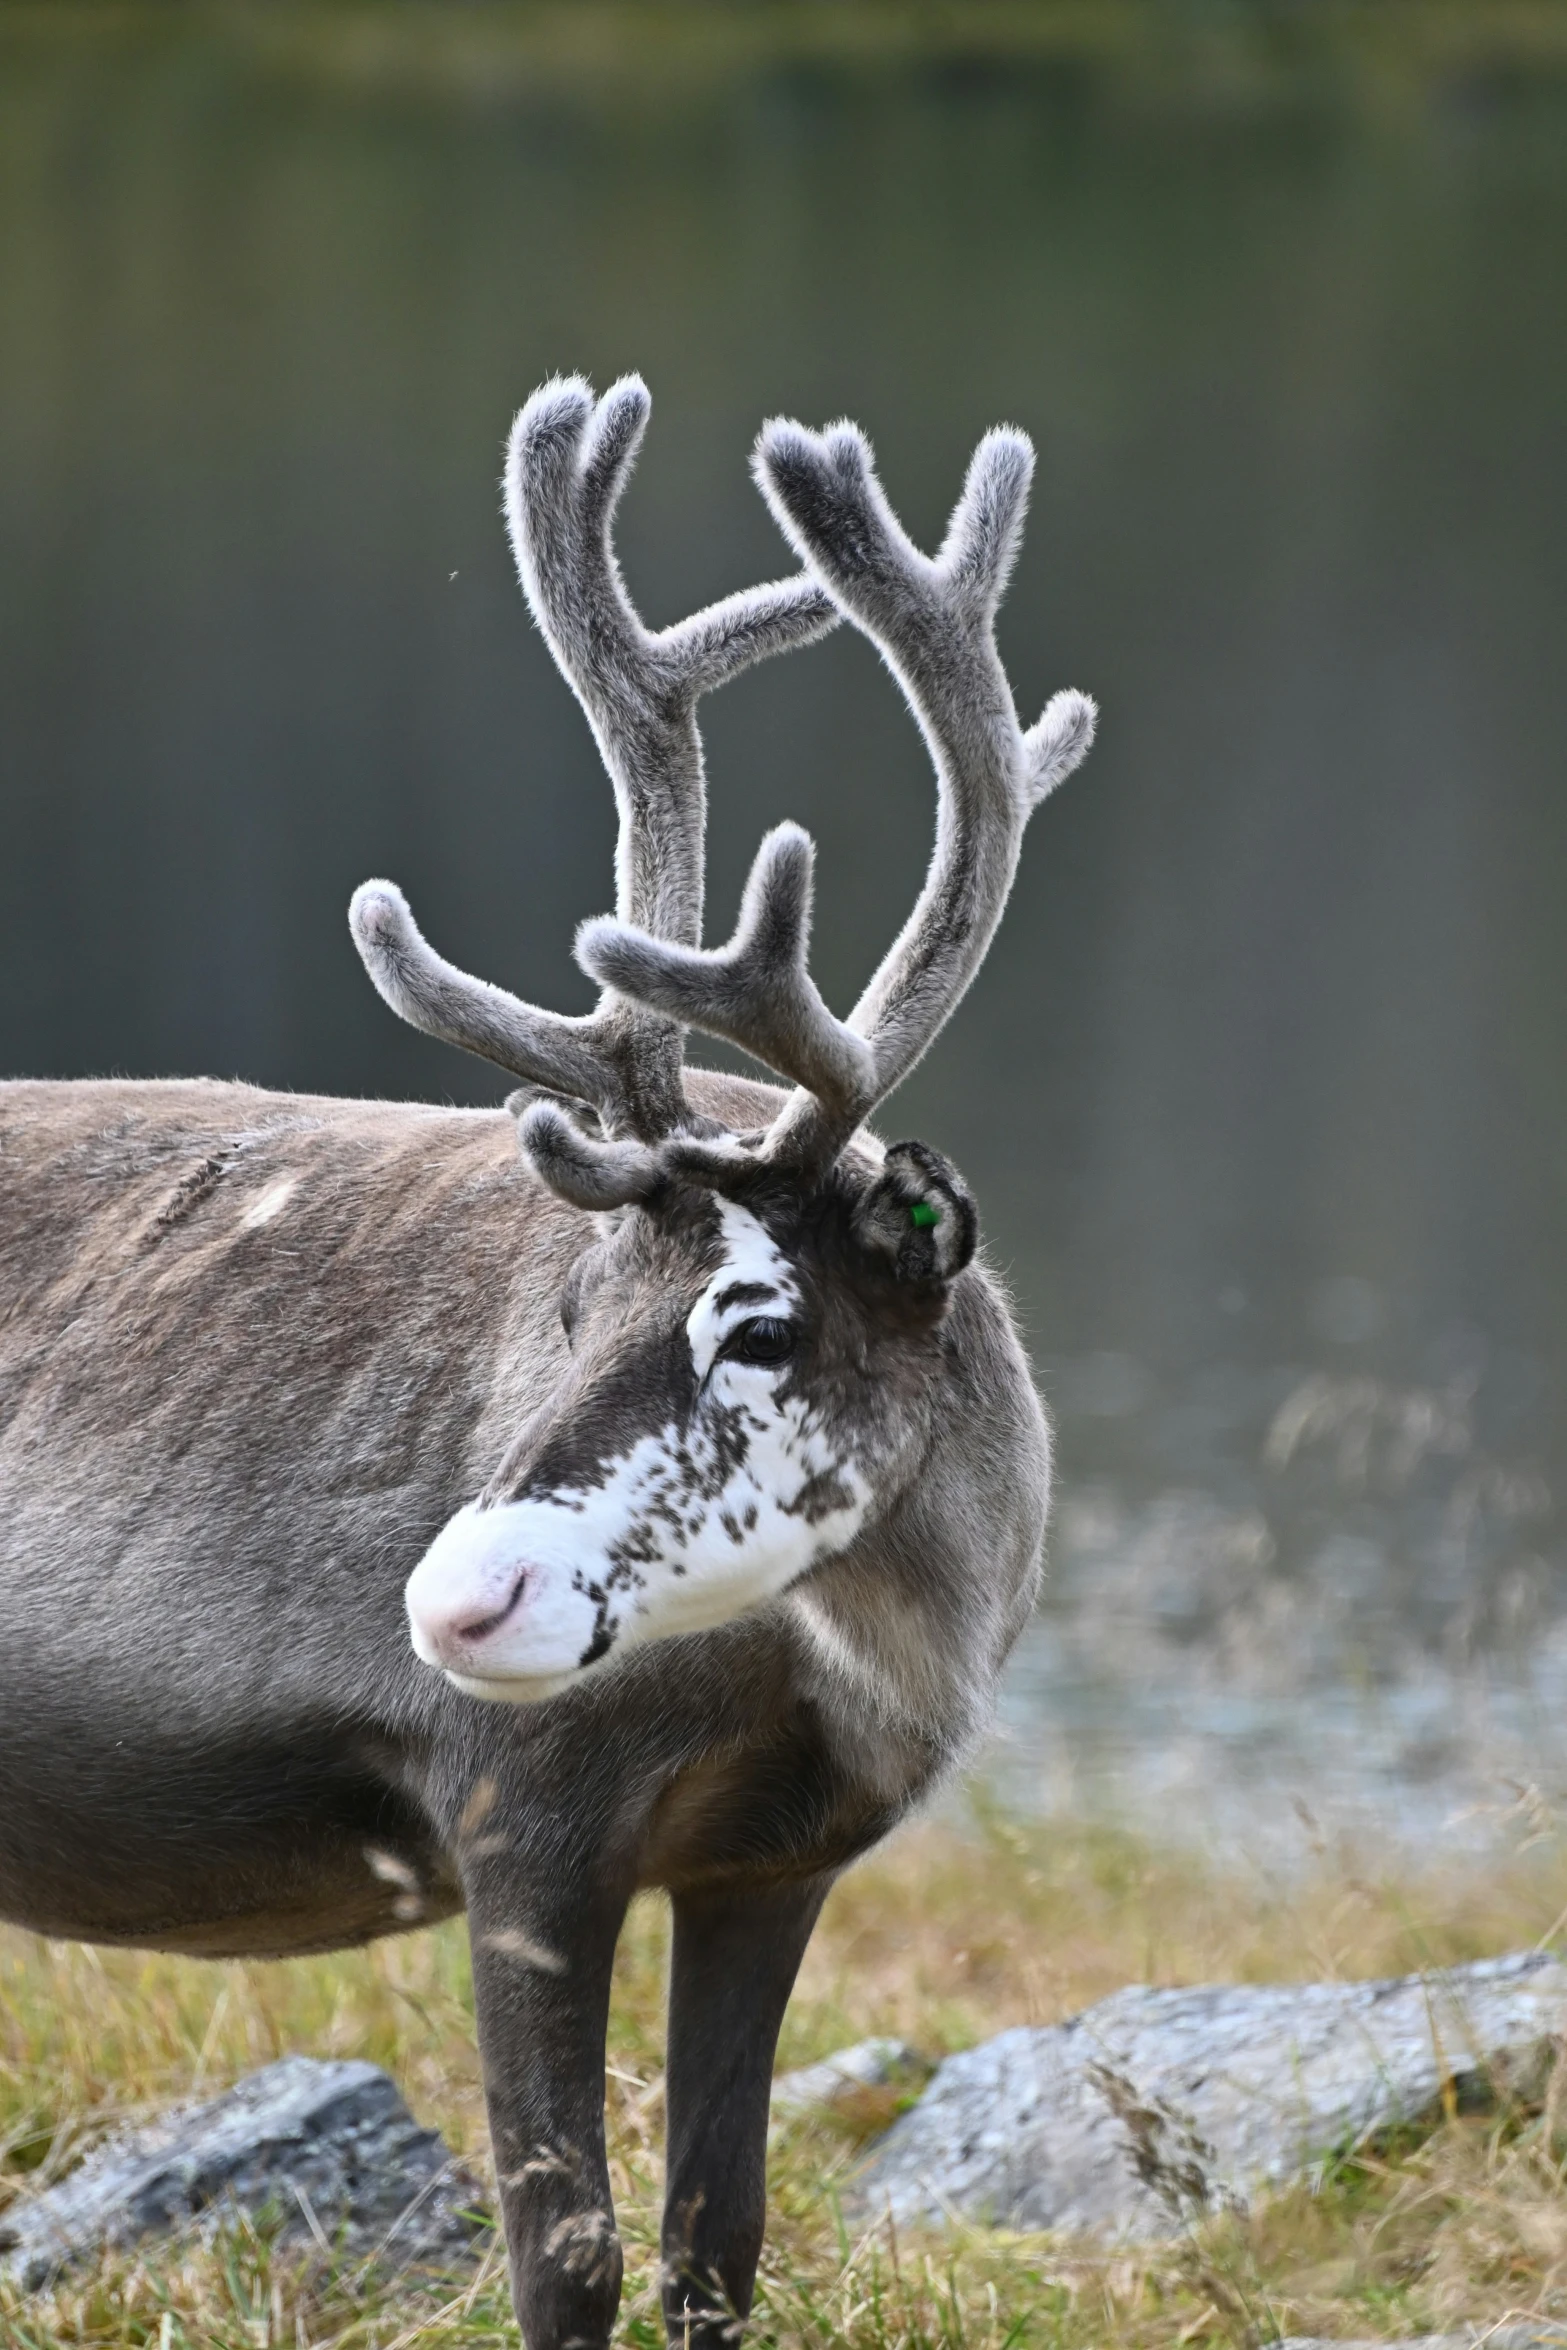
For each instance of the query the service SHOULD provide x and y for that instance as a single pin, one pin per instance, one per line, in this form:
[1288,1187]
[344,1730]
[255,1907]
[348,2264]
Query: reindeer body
[693,1433]
[325,1321]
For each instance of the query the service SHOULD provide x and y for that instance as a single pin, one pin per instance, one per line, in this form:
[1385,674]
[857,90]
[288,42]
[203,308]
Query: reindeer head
[756,1319]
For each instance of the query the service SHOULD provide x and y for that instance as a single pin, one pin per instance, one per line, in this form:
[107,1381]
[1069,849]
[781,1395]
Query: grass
[942,1938]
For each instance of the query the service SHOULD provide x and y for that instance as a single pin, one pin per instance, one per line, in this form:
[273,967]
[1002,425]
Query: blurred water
[1265,1082]
[1344,1621]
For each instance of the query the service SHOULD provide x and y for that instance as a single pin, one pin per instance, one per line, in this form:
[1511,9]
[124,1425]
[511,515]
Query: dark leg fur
[736,1955]
[541,1988]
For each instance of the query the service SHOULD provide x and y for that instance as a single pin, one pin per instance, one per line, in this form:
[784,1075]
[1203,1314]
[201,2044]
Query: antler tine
[568,460]
[433,995]
[1058,742]
[756,991]
[716,645]
[932,620]
[590,1173]
[567,465]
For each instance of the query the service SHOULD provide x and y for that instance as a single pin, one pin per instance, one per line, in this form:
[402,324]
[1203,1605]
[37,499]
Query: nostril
[480,1627]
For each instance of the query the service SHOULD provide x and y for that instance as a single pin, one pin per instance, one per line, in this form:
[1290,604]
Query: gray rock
[1521,2337]
[330,2149]
[1156,2106]
[869,2064]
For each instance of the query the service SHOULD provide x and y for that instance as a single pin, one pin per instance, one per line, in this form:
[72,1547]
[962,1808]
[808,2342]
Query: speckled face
[739,1488]
[736,1408]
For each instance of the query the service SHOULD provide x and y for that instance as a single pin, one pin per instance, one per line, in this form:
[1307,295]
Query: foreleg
[542,1957]
[736,1954]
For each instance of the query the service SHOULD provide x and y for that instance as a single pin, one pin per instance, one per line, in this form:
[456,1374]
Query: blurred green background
[1265,1082]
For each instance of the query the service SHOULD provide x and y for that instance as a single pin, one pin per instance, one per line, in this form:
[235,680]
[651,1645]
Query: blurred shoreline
[1345,1622]
[656,50]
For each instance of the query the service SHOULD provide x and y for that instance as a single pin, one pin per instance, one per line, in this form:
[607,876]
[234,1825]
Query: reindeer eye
[761,1341]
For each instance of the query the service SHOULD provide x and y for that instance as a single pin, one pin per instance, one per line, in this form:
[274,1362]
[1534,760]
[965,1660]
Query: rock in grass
[320,2152]
[1519,2337]
[836,2081]
[1156,2107]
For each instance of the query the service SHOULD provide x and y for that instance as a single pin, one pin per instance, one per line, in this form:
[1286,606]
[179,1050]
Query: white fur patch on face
[754,1278]
[689,1528]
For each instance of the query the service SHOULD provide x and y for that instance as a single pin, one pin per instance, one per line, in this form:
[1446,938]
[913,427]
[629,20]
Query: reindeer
[692,1443]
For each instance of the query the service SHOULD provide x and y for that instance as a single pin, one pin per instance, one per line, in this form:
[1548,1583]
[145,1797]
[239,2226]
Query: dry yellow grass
[942,1938]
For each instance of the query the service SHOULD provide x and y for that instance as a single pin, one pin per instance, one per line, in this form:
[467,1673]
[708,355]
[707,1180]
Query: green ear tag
[922,1215]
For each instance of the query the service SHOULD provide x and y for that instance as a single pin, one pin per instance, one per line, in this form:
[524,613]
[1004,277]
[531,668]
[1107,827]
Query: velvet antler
[932,620]
[567,462]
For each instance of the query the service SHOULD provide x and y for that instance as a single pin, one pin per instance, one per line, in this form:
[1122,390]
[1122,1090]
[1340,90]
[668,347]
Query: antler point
[1059,741]
[377,911]
[789,835]
[780,439]
[1007,436]
[561,396]
[597,930]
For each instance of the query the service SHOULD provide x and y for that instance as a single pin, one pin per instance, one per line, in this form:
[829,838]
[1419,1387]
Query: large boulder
[1157,2106]
[324,2152]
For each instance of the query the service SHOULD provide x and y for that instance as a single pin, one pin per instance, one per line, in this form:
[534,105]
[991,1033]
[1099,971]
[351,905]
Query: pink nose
[450,1634]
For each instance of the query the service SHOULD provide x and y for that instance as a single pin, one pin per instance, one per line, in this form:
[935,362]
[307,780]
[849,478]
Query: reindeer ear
[920,1215]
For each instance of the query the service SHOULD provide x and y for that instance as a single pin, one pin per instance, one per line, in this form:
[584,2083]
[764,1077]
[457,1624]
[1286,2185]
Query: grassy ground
[941,1939]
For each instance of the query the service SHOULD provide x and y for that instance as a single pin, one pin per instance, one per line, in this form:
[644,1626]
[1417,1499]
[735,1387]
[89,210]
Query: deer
[408,1510]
